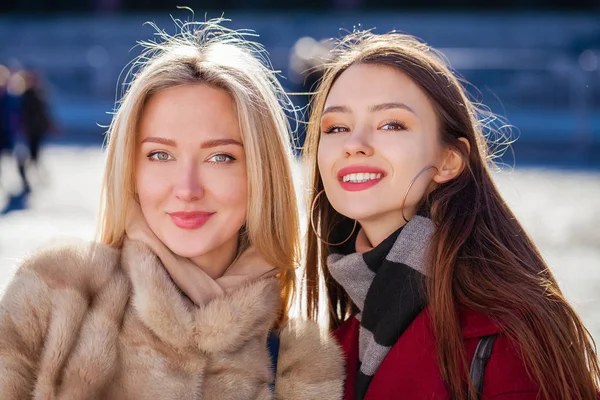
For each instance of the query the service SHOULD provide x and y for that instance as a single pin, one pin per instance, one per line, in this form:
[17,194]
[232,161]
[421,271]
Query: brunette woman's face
[191,171]
[378,131]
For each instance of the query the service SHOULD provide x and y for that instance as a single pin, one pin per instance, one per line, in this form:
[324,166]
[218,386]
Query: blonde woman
[195,263]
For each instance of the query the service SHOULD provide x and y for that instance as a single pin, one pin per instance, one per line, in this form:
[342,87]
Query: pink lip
[357,169]
[190,219]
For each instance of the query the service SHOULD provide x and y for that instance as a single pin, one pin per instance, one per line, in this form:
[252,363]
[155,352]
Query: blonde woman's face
[191,172]
[378,130]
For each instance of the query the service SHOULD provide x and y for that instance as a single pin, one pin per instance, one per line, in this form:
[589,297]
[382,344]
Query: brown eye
[393,126]
[336,129]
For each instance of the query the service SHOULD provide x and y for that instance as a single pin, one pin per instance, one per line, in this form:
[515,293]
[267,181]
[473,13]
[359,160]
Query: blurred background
[534,63]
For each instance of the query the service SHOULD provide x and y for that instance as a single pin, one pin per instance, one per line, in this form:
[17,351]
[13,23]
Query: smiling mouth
[361,177]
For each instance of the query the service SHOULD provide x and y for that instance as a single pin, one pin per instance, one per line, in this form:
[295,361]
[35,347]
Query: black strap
[273,346]
[482,354]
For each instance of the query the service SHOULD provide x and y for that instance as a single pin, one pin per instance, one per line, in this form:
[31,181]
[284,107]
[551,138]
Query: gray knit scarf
[386,287]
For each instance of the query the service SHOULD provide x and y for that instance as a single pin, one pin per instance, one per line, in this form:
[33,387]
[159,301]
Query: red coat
[410,370]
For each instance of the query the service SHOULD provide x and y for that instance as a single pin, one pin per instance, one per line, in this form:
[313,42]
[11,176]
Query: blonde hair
[208,53]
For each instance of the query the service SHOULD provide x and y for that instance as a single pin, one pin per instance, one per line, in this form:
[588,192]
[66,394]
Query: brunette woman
[427,271]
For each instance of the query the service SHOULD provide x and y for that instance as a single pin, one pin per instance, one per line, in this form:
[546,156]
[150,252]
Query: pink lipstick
[190,219]
[359,177]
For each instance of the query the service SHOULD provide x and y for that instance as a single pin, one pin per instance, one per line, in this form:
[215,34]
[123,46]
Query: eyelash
[151,157]
[332,128]
[230,158]
[399,126]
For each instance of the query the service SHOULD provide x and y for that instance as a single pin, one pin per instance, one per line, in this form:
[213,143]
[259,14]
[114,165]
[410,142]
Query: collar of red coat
[475,324]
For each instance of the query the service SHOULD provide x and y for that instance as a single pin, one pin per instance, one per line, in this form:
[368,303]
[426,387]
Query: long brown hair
[479,258]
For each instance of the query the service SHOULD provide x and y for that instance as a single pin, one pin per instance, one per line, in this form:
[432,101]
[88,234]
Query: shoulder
[85,265]
[303,340]
[506,375]
[310,364]
[79,269]
[52,292]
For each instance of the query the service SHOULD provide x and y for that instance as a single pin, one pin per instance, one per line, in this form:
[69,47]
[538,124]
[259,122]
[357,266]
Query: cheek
[411,153]
[229,188]
[151,184]
[325,158]
[320,156]
[431,145]
[143,187]
[231,196]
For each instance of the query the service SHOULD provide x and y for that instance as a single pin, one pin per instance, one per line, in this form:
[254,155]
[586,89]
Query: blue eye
[221,158]
[159,156]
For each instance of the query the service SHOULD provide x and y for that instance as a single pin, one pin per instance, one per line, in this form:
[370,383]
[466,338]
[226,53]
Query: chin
[188,251]
[356,213]
[187,247]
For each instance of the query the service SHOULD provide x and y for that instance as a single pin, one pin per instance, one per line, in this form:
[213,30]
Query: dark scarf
[386,286]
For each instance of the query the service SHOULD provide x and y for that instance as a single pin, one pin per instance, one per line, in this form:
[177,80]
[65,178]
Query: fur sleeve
[42,302]
[24,313]
[310,364]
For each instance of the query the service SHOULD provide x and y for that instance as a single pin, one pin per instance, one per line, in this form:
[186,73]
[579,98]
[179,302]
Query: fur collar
[221,324]
[108,322]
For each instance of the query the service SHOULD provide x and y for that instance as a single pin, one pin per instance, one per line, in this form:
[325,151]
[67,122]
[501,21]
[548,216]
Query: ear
[452,163]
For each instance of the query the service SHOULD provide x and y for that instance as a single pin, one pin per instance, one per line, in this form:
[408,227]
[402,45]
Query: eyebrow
[375,108]
[220,142]
[159,140]
[204,145]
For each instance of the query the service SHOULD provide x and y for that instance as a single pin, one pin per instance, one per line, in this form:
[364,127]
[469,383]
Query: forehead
[189,110]
[364,85]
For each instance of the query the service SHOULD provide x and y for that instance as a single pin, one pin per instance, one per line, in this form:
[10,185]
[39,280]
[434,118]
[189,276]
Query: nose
[188,185]
[358,143]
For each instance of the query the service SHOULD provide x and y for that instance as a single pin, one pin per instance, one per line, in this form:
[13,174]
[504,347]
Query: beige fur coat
[91,322]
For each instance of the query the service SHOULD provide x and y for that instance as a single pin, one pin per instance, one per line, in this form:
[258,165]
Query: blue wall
[539,71]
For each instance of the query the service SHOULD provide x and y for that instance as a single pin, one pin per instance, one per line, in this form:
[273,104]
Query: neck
[216,263]
[379,228]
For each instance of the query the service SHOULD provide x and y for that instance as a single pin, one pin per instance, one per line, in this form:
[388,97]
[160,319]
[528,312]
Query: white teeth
[360,177]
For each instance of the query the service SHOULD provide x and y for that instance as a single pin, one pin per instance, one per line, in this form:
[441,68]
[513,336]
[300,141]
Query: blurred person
[35,116]
[306,64]
[307,61]
[199,237]
[12,86]
[5,139]
[433,288]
